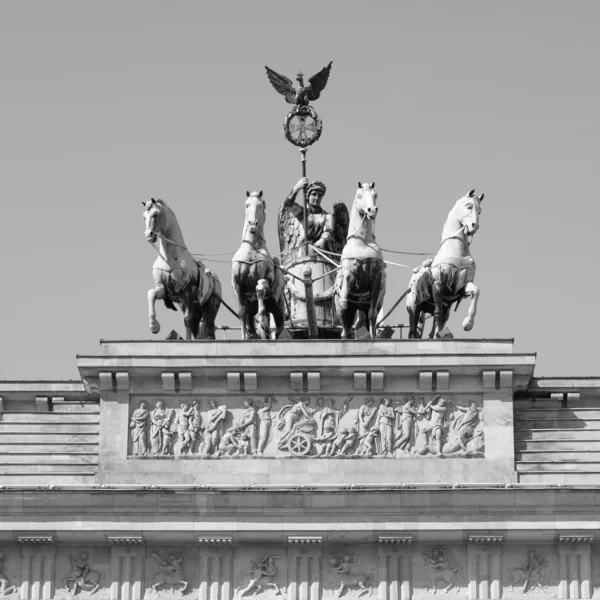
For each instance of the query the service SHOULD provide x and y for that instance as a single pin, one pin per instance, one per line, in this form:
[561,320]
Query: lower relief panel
[299,572]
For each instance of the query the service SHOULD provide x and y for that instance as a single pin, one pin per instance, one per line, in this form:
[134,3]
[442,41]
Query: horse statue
[360,281]
[178,277]
[256,277]
[447,278]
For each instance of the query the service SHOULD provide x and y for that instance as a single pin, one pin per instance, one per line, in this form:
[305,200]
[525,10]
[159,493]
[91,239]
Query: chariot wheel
[300,444]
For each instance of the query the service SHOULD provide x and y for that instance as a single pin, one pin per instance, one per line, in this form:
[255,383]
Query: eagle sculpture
[302,95]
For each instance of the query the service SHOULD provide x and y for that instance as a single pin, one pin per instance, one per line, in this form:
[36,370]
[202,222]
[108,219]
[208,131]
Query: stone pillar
[575,567]
[484,557]
[127,572]
[37,572]
[498,417]
[216,573]
[394,571]
[114,421]
[304,572]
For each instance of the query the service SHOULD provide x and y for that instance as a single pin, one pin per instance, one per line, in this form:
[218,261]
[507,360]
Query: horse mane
[164,205]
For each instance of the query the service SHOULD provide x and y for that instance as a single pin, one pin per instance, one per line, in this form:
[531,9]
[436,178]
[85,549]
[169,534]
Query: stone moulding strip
[308,540]
[395,539]
[575,539]
[485,538]
[35,540]
[216,541]
[125,540]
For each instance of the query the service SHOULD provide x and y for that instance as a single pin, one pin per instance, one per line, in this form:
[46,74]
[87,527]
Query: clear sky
[105,104]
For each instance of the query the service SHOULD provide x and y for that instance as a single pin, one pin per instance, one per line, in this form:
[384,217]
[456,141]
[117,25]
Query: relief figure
[439,569]
[261,576]
[81,577]
[215,426]
[365,417]
[342,566]
[386,416]
[160,430]
[183,427]
[367,445]
[5,588]
[530,575]
[292,417]
[246,425]
[406,423]
[437,427]
[170,572]
[265,424]
[139,429]
[195,425]
[344,441]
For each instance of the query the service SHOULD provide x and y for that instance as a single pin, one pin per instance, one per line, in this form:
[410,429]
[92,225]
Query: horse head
[154,216]
[365,200]
[466,212]
[255,214]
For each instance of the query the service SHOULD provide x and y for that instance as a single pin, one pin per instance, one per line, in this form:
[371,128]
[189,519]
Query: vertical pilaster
[498,416]
[394,571]
[127,572]
[216,573]
[575,567]
[114,424]
[304,572]
[37,572]
[484,556]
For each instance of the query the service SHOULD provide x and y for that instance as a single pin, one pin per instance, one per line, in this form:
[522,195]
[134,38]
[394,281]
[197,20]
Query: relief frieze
[303,426]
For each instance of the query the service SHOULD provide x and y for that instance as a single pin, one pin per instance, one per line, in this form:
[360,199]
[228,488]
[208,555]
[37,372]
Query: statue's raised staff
[178,277]
[360,283]
[257,280]
[447,278]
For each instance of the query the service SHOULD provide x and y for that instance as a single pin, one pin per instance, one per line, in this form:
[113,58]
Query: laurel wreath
[303,111]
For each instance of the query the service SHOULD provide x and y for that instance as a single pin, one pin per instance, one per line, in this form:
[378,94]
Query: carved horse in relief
[360,281]
[447,278]
[256,277]
[178,277]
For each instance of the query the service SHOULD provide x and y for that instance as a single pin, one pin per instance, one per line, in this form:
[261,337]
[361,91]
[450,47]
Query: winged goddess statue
[304,94]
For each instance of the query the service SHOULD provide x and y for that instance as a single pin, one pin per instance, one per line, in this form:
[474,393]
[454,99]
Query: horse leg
[438,298]
[263,317]
[471,290]
[157,293]
[188,320]
[413,316]
[210,308]
[377,294]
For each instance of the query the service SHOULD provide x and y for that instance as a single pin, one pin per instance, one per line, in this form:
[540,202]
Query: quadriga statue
[178,277]
[447,278]
[257,279]
[360,282]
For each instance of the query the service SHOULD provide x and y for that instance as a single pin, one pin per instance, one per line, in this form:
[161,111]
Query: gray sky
[105,104]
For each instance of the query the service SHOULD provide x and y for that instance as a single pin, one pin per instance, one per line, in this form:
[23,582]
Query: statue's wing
[283,85]
[317,82]
[341,220]
[290,229]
